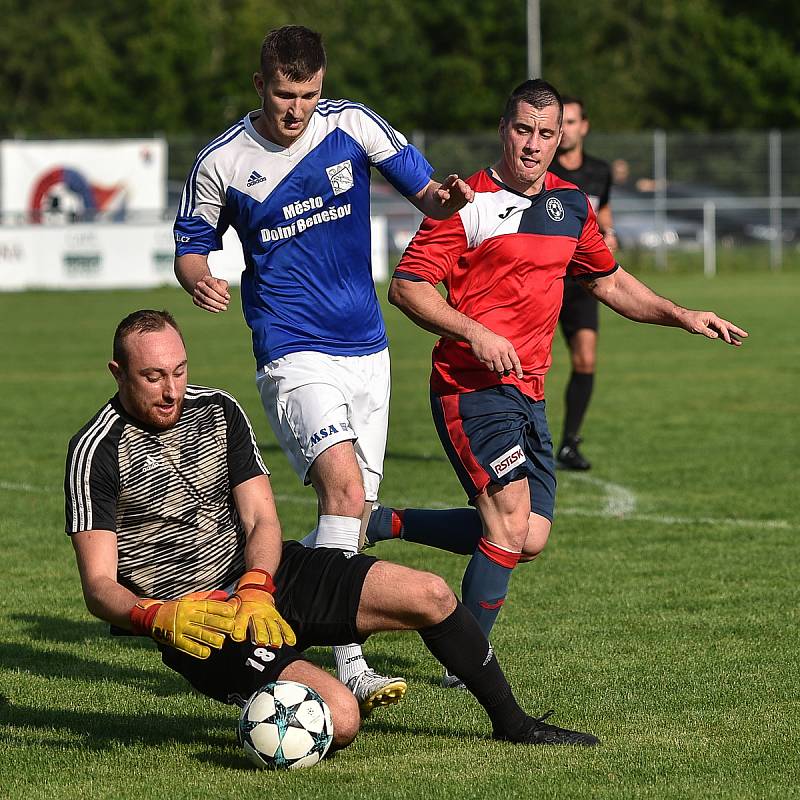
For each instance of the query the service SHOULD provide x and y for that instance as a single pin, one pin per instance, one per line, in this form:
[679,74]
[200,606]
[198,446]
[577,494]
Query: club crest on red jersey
[554,209]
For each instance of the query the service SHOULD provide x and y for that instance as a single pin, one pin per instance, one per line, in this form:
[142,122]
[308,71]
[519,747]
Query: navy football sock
[461,647]
[380,526]
[485,582]
[456,530]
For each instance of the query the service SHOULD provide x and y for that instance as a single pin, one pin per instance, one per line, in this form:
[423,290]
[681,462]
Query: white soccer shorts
[314,400]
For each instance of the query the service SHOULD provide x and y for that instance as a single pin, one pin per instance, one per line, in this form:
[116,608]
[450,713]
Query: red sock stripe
[397,522]
[498,554]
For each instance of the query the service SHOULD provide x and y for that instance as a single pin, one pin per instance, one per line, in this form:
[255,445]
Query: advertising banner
[58,182]
[119,256]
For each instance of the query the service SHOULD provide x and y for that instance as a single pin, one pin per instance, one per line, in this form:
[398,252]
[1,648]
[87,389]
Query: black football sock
[459,644]
[577,396]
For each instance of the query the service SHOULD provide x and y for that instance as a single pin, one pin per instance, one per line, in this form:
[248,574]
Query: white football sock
[341,533]
[350,661]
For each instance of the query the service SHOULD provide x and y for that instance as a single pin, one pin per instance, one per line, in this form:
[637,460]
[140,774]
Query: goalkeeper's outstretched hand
[256,612]
[193,624]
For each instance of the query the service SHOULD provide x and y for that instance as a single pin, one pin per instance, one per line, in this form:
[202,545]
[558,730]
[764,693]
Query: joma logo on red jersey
[510,459]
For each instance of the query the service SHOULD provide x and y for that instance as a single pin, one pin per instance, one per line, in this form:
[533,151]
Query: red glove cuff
[214,594]
[142,616]
[256,579]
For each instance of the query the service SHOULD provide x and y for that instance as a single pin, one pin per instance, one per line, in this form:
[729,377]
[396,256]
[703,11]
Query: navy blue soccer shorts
[498,435]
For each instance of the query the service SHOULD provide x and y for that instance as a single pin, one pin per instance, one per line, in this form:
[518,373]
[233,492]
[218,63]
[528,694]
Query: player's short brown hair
[537,93]
[293,50]
[143,321]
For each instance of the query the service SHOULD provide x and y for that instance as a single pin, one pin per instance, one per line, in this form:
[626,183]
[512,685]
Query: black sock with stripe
[459,644]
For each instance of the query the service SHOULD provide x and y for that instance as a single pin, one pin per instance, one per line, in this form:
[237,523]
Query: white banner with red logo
[60,182]
[119,256]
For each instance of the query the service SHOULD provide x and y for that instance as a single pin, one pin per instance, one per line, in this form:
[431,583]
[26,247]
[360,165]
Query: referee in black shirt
[579,316]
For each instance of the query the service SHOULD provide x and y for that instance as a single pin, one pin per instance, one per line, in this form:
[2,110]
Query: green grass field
[663,615]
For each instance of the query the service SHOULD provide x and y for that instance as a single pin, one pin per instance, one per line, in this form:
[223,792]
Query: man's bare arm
[209,293]
[422,304]
[96,553]
[632,299]
[253,599]
[256,506]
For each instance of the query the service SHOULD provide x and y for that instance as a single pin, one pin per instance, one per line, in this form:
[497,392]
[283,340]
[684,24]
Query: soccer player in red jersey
[503,260]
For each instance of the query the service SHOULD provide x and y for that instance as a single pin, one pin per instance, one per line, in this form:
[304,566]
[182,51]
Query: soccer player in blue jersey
[292,178]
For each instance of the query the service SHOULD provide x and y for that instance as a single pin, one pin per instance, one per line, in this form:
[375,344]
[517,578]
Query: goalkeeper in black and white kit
[176,535]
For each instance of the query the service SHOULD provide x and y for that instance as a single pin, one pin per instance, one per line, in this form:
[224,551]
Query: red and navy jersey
[503,259]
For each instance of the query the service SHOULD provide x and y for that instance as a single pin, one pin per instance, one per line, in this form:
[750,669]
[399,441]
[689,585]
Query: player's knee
[515,534]
[434,598]
[354,497]
[345,715]
[531,549]
[440,595]
[584,362]
[537,535]
[345,499]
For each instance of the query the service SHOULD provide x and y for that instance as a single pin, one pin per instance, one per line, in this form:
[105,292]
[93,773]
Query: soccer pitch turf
[662,616]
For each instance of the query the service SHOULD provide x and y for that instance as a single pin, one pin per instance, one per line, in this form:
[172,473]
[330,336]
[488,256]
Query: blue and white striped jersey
[302,215]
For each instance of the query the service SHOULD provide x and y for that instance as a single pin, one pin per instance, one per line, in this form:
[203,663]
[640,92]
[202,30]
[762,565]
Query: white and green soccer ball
[285,725]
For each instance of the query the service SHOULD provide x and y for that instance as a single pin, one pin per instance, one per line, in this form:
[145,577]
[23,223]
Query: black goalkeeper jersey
[166,494]
[593,178]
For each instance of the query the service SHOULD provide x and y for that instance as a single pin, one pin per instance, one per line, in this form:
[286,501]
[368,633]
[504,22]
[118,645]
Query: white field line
[619,504]
[619,501]
[669,519]
[25,487]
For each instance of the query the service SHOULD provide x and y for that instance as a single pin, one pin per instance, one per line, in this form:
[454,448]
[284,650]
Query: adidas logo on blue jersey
[254,179]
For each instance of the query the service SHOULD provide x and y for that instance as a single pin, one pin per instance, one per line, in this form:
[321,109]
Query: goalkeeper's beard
[158,415]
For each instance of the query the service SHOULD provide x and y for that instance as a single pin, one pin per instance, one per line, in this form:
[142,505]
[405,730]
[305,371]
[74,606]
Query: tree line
[132,67]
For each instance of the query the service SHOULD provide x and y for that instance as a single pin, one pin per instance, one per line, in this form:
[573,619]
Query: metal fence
[673,193]
[678,198]
[704,198]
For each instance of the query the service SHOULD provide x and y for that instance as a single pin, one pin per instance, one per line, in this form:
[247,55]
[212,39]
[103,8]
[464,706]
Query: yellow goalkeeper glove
[255,610]
[193,624]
